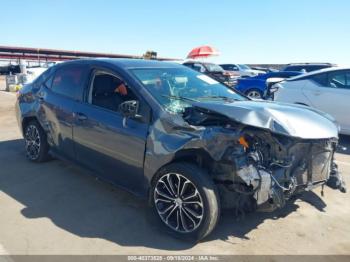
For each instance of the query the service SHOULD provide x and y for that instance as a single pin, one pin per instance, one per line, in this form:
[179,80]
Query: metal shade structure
[44,54]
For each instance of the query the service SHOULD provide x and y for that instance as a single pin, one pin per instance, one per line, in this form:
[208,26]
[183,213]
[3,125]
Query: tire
[254,93]
[36,146]
[192,214]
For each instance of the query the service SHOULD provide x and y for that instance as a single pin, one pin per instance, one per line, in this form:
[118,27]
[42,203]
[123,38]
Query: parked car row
[252,82]
[307,67]
[242,70]
[215,71]
[188,144]
[256,87]
[323,86]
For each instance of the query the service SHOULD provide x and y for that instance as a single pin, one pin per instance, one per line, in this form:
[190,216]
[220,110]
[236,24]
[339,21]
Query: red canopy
[203,51]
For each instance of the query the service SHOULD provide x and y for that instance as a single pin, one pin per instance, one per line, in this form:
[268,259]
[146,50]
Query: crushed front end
[264,169]
[259,154]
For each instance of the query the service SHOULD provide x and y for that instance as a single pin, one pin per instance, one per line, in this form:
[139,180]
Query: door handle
[317,93]
[81,116]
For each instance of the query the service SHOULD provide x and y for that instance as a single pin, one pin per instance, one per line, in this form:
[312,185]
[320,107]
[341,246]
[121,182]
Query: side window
[69,81]
[294,68]
[48,82]
[321,79]
[348,79]
[339,79]
[230,67]
[234,68]
[188,65]
[199,68]
[315,67]
[109,91]
[42,78]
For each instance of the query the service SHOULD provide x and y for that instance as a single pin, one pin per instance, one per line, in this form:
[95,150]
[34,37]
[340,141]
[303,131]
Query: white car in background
[242,70]
[327,90]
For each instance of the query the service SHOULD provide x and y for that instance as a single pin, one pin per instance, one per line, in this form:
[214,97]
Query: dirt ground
[56,208]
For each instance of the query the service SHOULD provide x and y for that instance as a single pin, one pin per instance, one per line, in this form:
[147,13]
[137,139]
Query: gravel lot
[56,208]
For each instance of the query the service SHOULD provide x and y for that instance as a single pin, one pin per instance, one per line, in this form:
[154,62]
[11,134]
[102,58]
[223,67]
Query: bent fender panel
[166,139]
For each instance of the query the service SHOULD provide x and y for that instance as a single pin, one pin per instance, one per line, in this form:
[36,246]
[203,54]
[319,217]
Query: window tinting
[199,68]
[321,79]
[230,67]
[69,80]
[109,91]
[339,79]
[293,68]
[42,78]
[314,68]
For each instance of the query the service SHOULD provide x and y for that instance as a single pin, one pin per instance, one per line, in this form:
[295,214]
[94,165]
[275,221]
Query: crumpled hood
[286,119]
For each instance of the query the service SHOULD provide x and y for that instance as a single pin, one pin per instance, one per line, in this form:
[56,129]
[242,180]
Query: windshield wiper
[180,98]
[219,97]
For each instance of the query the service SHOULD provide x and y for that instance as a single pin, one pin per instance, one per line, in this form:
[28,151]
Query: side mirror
[130,109]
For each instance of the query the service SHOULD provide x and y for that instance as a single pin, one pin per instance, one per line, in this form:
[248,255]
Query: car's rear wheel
[36,144]
[254,93]
[186,200]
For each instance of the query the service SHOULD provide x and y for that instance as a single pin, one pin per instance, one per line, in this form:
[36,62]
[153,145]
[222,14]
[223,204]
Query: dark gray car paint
[164,137]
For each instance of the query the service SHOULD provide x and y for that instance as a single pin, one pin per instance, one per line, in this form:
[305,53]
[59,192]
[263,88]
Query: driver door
[107,142]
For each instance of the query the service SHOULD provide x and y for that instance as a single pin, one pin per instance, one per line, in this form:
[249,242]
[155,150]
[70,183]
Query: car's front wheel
[254,93]
[35,142]
[186,200]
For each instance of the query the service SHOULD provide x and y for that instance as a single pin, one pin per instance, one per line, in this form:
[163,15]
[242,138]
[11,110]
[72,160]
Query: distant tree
[150,55]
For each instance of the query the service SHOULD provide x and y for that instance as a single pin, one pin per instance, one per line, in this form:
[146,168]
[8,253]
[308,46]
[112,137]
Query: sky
[255,31]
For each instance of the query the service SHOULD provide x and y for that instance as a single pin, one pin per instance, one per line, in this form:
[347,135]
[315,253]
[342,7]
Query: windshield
[244,67]
[176,88]
[214,68]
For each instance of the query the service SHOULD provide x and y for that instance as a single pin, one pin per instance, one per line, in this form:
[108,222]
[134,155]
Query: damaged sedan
[188,144]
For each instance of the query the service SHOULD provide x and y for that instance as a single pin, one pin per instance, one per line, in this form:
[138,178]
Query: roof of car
[324,70]
[129,63]
[197,62]
[309,64]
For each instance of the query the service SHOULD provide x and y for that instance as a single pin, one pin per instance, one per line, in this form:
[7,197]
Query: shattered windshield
[175,88]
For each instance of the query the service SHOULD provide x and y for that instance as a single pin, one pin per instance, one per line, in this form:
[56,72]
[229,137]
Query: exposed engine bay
[263,169]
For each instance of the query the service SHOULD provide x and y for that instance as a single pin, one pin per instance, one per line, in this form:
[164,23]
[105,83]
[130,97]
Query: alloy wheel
[32,142]
[178,203]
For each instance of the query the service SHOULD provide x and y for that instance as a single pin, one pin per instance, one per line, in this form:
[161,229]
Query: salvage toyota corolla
[187,143]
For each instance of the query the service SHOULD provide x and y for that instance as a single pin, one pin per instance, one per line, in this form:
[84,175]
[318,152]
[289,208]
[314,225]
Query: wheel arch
[255,88]
[26,120]
[302,104]
[196,156]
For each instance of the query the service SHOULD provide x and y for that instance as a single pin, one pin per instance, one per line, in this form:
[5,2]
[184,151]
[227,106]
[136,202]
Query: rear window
[307,68]
[69,81]
[41,78]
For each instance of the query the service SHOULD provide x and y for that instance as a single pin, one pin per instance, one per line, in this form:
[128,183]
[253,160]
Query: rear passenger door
[58,97]
[330,92]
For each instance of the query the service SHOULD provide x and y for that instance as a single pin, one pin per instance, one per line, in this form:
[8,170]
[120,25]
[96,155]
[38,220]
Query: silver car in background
[327,90]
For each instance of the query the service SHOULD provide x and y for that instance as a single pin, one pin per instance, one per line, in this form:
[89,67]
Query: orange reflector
[243,142]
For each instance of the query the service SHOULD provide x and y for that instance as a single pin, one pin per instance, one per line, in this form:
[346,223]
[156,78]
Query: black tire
[209,209]
[34,133]
[254,91]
